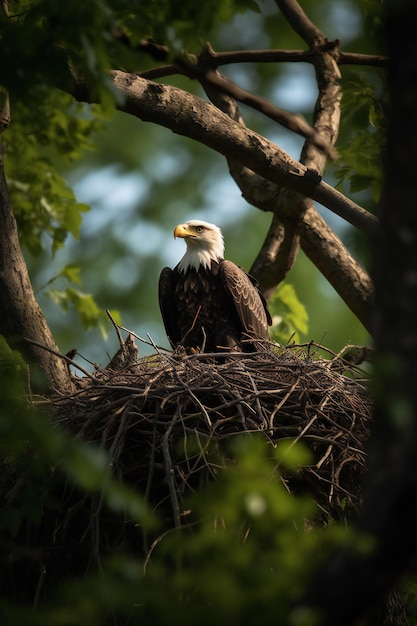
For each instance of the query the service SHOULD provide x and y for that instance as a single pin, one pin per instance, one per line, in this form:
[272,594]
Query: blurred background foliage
[101,191]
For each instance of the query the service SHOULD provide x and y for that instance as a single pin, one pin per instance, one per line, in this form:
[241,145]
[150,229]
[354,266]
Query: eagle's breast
[205,312]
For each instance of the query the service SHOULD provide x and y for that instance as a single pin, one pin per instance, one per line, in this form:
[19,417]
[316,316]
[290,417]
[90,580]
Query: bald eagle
[209,304]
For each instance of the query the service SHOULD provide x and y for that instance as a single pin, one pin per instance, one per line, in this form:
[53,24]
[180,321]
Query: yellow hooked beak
[182,230]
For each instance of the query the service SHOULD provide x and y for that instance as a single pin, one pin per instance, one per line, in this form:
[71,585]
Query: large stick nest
[161,417]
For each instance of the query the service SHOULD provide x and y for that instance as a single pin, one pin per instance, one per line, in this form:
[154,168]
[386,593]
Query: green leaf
[71,272]
[91,315]
[289,315]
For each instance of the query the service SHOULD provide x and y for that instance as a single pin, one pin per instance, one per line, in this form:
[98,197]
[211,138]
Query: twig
[64,357]
[192,325]
[169,472]
[116,328]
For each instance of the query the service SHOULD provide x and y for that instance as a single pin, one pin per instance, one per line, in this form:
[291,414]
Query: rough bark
[337,265]
[20,314]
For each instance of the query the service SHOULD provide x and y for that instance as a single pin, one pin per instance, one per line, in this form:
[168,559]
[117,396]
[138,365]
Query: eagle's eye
[199,229]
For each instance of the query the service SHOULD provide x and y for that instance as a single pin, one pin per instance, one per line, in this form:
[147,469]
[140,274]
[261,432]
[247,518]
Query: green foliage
[246,558]
[248,549]
[362,156]
[34,453]
[53,40]
[97,36]
[179,25]
[54,128]
[91,315]
[289,315]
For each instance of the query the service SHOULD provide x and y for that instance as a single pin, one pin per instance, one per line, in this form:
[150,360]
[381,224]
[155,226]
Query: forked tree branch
[193,117]
[295,216]
[204,70]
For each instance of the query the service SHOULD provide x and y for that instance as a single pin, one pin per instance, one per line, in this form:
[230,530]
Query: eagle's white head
[204,244]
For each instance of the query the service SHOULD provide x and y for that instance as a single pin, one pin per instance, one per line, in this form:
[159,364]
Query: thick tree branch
[337,265]
[20,314]
[190,116]
[205,71]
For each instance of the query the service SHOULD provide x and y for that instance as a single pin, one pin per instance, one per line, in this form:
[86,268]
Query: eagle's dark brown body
[212,309]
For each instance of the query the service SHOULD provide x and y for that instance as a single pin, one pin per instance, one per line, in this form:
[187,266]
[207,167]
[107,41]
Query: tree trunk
[20,315]
[353,582]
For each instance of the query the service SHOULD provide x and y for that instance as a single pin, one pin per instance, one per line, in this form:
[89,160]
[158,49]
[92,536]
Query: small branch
[354,58]
[169,471]
[155,50]
[148,46]
[300,23]
[116,328]
[58,354]
[164,70]
[269,56]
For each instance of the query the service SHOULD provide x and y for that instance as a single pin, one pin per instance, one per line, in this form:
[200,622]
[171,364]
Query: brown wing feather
[248,300]
[166,290]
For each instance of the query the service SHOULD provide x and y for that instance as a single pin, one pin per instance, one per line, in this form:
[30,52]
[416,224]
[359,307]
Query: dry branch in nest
[166,420]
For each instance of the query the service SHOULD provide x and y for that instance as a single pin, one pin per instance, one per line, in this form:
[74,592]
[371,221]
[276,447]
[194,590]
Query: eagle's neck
[198,258]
